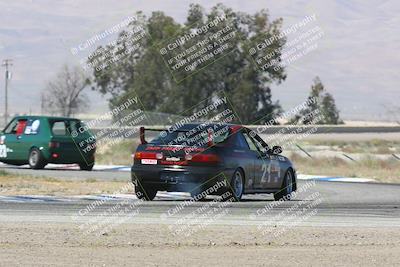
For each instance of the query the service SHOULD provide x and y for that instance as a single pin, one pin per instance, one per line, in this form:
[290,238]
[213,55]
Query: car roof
[43,117]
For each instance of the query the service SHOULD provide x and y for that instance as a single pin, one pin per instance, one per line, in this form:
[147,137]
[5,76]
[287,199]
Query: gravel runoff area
[62,244]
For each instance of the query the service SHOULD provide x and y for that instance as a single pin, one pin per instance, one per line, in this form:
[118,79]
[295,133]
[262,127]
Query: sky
[357,58]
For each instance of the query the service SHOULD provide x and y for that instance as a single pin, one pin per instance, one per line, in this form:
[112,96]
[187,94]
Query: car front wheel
[287,187]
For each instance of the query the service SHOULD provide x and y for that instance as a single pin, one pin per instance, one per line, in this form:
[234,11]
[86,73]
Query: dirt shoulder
[137,245]
[14,184]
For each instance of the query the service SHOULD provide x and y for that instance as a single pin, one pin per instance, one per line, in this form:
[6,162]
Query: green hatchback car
[39,140]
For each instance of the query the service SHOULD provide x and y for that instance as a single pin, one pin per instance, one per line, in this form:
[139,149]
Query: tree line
[144,72]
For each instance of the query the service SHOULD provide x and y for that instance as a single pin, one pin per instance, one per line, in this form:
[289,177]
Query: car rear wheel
[287,187]
[237,185]
[36,159]
[145,193]
[86,166]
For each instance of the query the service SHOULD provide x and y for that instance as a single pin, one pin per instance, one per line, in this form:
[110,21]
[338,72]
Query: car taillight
[208,158]
[54,144]
[148,155]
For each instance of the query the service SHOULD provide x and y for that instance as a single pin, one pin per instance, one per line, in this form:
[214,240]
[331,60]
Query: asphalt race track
[339,204]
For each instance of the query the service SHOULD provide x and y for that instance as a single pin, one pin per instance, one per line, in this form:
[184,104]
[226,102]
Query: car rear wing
[143,129]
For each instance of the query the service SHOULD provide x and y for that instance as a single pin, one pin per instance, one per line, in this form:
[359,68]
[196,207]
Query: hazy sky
[357,58]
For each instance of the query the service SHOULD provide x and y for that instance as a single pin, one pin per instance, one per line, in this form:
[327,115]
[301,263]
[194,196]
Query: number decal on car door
[268,170]
[264,168]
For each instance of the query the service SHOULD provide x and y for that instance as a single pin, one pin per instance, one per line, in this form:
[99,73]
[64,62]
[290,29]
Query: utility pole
[6,63]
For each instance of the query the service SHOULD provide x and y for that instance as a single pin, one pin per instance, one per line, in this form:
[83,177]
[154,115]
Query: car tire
[36,160]
[86,166]
[145,193]
[287,187]
[237,185]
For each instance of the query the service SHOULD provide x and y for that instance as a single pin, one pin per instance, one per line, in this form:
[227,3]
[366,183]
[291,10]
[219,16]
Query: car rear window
[192,137]
[79,129]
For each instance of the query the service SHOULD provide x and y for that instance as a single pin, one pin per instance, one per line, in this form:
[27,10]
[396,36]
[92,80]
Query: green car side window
[59,128]
[32,127]
[17,127]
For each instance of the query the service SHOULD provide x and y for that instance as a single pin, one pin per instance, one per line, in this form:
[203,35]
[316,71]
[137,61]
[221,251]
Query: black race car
[210,159]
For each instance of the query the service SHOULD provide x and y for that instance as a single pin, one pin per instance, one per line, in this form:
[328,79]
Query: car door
[30,137]
[11,144]
[236,152]
[267,166]
[21,152]
[257,158]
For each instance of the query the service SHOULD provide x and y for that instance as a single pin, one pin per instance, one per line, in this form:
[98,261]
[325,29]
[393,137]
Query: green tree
[145,72]
[321,107]
[329,111]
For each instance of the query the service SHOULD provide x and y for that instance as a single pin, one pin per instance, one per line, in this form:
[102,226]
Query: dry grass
[387,171]
[120,153]
[11,184]
[371,146]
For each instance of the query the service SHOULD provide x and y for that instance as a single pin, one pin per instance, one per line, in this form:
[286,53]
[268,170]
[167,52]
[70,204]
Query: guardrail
[329,129]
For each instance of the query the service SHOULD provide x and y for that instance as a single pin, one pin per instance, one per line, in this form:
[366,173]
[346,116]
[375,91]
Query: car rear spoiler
[143,139]
[143,129]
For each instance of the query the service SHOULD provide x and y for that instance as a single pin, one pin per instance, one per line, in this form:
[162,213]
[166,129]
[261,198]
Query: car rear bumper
[58,156]
[178,178]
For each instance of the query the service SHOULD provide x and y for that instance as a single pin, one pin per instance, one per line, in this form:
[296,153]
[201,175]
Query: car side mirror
[277,150]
